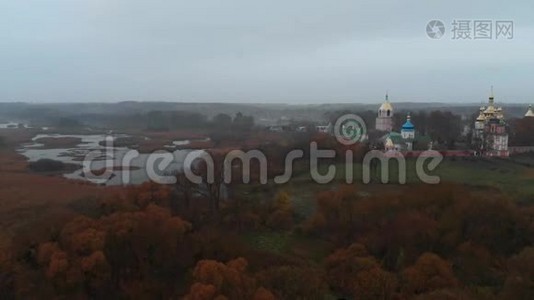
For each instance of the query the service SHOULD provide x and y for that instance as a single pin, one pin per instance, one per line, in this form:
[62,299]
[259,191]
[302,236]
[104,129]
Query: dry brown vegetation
[157,140]
[446,241]
[32,204]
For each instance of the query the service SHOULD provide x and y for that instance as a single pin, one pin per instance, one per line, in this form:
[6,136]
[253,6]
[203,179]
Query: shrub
[46,165]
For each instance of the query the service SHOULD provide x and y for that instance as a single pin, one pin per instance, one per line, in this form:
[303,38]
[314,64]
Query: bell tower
[384,120]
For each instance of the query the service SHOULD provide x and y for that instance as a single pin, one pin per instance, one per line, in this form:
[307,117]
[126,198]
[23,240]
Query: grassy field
[514,177]
[290,244]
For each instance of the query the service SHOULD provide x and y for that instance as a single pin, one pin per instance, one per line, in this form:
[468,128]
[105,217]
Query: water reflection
[75,155]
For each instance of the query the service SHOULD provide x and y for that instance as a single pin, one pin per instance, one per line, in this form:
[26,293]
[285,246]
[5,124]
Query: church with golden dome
[397,141]
[490,135]
[384,120]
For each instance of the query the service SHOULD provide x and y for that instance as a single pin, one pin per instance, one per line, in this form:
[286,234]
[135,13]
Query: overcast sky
[275,51]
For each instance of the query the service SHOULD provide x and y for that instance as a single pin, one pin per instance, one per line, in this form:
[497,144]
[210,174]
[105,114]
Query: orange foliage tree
[96,256]
[294,282]
[353,271]
[216,280]
[520,281]
[430,272]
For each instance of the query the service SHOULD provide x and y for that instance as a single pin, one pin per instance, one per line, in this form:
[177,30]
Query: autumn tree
[211,171]
[216,280]
[241,213]
[7,273]
[136,197]
[520,281]
[493,222]
[242,122]
[222,121]
[405,236]
[445,127]
[353,271]
[281,212]
[294,282]
[336,213]
[131,251]
[184,188]
[521,133]
[475,265]
[145,241]
[430,272]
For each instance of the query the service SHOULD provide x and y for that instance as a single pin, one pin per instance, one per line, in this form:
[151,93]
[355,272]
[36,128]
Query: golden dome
[490,110]
[529,113]
[386,105]
[389,143]
[481,117]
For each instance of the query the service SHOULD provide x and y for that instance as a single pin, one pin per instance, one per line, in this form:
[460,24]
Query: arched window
[388,113]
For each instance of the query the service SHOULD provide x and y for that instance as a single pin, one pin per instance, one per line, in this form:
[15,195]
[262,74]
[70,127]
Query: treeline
[522,133]
[429,242]
[444,128]
[157,120]
[171,120]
